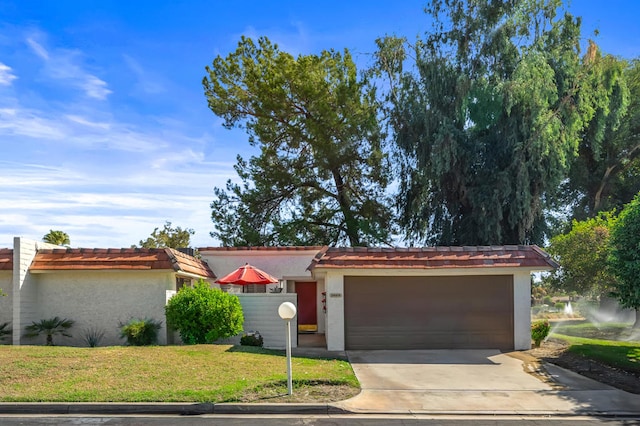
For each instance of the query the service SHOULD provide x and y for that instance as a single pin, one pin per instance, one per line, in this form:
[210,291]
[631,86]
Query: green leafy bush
[203,314]
[140,332]
[50,327]
[559,306]
[253,338]
[539,331]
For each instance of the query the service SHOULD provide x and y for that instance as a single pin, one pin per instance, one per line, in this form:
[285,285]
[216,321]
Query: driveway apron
[474,381]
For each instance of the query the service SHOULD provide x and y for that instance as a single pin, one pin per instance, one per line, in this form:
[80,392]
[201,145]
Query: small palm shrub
[49,327]
[140,332]
[540,331]
[4,331]
[93,336]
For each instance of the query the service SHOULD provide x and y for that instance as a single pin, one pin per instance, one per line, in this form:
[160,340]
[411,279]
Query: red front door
[307,306]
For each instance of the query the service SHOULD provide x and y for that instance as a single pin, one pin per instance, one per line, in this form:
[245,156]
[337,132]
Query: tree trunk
[49,340]
[636,325]
[345,206]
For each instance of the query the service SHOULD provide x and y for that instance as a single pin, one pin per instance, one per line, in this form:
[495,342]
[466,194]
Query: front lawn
[607,343]
[199,373]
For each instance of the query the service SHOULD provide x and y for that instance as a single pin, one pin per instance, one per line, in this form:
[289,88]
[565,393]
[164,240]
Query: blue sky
[104,129]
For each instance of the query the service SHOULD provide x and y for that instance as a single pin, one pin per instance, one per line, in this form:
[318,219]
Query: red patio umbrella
[247,274]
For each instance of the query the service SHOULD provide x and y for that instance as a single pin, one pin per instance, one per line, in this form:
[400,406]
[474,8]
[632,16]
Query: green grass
[602,343]
[605,331]
[200,373]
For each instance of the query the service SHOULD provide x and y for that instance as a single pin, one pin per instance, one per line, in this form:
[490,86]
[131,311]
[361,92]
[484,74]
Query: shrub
[50,327]
[547,300]
[140,332]
[203,314]
[559,306]
[92,336]
[539,331]
[4,330]
[252,338]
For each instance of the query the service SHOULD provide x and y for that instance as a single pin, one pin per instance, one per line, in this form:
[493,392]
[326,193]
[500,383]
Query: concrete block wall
[103,300]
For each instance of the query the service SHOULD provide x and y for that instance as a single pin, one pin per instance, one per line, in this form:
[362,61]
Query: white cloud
[38,49]
[146,80]
[26,122]
[6,75]
[66,65]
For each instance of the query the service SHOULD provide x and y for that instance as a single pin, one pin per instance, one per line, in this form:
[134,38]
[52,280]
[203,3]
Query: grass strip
[199,373]
[623,355]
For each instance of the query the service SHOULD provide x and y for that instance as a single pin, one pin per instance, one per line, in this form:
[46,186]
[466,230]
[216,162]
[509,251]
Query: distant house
[355,298]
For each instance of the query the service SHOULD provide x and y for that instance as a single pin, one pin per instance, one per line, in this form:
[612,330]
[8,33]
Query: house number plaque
[335,294]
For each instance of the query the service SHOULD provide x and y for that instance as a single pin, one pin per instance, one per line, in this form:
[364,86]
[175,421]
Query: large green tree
[168,236]
[321,173]
[606,173]
[487,121]
[582,254]
[624,259]
[59,238]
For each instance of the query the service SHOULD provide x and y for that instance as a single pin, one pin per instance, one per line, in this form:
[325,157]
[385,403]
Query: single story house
[353,298]
[99,289]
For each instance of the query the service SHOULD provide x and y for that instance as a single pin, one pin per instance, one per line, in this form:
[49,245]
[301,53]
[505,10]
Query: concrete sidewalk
[414,382]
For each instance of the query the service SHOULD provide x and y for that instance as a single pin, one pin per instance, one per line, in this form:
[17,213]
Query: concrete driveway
[474,381]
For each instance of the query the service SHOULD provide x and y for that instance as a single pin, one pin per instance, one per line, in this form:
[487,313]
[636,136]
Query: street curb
[194,409]
[186,409]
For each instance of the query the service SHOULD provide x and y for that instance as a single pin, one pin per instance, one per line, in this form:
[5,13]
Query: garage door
[429,312]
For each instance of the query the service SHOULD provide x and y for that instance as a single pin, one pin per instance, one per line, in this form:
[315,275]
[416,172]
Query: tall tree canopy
[168,236]
[624,259]
[59,238]
[606,173]
[490,117]
[321,173]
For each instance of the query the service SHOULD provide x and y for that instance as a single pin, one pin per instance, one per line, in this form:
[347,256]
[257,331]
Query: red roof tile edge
[433,257]
[6,259]
[119,258]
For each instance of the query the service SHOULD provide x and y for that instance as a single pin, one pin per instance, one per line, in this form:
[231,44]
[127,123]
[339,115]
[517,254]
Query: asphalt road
[271,420]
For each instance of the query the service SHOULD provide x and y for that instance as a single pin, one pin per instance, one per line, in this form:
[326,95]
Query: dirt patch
[308,393]
[555,352]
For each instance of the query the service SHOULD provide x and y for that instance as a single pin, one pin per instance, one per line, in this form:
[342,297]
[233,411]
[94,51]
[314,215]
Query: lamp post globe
[287,311]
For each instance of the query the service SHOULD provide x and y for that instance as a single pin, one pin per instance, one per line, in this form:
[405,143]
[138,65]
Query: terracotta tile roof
[190,264]
[262,248]
[433,257]
[6,259]
[122,259]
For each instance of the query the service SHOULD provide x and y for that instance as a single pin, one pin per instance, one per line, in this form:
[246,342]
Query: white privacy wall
[102,300]
[261,314]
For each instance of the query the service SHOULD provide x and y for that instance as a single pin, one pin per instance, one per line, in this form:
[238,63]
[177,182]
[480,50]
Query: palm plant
[4,330]
[50,327]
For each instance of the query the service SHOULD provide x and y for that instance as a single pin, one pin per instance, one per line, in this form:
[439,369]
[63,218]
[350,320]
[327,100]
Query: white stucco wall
[281,264]
[522,311]
[24,290]
[102,300]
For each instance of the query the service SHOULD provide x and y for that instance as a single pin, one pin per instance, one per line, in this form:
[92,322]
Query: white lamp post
[287,311]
